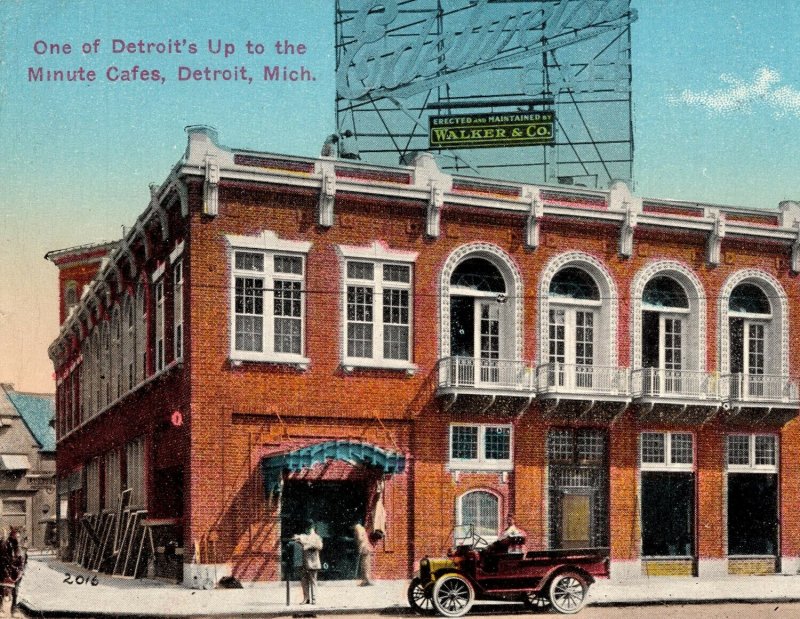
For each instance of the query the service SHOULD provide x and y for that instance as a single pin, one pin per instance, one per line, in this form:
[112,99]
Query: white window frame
[379,255]
[269,245]
[481,463]
[751,466]
[177,304]
[667,464]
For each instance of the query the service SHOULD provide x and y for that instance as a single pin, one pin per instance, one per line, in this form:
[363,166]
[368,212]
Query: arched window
[665,307]
[106,370]
[116,354]
[749,325]
[141,333]
[129,342]
[70,295]
[477,330]
[481,509]
[574,309]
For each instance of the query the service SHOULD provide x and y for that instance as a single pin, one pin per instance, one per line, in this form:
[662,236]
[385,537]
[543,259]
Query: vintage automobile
[504,570]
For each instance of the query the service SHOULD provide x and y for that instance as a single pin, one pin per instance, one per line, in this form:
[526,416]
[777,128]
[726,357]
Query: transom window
[268,306]
[378,311]
[752,452]
[667,451]
[480,447]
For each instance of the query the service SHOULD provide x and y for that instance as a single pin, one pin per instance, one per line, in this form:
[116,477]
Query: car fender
[564,567]
[450,570]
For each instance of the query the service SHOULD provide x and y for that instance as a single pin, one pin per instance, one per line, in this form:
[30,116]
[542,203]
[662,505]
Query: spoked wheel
[453,595]
[536,601]
[419,597]
[567,592]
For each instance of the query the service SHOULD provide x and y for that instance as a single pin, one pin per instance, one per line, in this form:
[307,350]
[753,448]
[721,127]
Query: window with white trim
[106,369]
[750,326]
[129,348]
[159,326]
[177,299]
[480,447]
[480,509]
[268,306]
[752,494]
[667,494]
[116,355]
[378,312]
[141,333]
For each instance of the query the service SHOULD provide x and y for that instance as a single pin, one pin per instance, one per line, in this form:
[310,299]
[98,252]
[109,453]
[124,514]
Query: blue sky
[716,92]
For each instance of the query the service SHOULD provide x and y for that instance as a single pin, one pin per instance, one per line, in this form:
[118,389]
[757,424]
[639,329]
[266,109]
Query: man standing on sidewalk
[364,554]
[312,544]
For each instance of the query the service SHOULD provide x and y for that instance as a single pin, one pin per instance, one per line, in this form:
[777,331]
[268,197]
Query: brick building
[28,465]
[279,338]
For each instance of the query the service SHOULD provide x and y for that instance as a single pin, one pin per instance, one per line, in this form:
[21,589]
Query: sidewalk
[45,592]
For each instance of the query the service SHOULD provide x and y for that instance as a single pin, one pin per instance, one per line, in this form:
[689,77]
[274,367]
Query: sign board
[491,130]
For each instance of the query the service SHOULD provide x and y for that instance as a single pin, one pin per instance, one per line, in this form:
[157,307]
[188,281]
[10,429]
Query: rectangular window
[378,312]
[159,332]
[753,452]
[93,487]
[135,470]
[113,481]
[667,451]
[268,306]
[177,304]
[480,447]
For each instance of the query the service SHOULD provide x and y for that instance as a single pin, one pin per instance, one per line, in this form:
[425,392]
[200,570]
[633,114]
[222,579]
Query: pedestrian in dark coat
[13,566]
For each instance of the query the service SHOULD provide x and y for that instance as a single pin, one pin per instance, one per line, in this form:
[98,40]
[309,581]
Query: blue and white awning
[353,452]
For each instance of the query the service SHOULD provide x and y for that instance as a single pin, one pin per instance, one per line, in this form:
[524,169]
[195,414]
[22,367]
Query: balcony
[675,395]
[577,390]
[760,398]
[485,384]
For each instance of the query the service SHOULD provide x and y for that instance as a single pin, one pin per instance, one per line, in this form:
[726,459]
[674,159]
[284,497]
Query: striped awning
[353,452]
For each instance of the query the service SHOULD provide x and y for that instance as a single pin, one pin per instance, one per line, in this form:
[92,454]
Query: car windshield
[465,535]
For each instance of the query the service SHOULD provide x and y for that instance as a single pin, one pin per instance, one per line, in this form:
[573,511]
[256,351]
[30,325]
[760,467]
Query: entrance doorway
[334,506]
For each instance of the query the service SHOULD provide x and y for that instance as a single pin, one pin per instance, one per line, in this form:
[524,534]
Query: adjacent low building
[280,338]
[28,466]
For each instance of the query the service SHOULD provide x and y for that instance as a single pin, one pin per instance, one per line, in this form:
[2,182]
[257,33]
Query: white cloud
[740,96]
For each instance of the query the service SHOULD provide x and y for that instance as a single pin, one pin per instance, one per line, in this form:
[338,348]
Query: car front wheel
[453,595]
[567,592]
[419,597]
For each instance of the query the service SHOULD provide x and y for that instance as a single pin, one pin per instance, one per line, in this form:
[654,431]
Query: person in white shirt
[312,544]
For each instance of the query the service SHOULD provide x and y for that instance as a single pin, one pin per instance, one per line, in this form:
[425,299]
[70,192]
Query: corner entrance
[334,506]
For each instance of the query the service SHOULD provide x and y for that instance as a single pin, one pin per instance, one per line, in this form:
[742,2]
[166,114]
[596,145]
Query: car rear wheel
[567,592]
[420,597]
[536,601]
[453,595]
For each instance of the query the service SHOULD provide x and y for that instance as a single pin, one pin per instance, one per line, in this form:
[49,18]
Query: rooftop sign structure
[403,65]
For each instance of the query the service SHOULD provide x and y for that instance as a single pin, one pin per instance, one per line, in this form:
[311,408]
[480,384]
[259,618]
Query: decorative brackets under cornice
[434,212]
[155,204]
[795,261]
[211,187]
[535,214]
[714,246]
[327,195]
[142,231]
[627,231]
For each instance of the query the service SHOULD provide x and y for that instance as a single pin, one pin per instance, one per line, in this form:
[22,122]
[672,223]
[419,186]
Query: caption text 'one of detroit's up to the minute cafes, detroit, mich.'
[182,73]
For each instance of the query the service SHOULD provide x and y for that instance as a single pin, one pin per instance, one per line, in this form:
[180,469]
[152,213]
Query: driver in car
[513,538]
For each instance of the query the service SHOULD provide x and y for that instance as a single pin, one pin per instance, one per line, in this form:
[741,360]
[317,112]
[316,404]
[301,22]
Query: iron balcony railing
[759,388]
[565,378]
[673,384]
[472,373]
